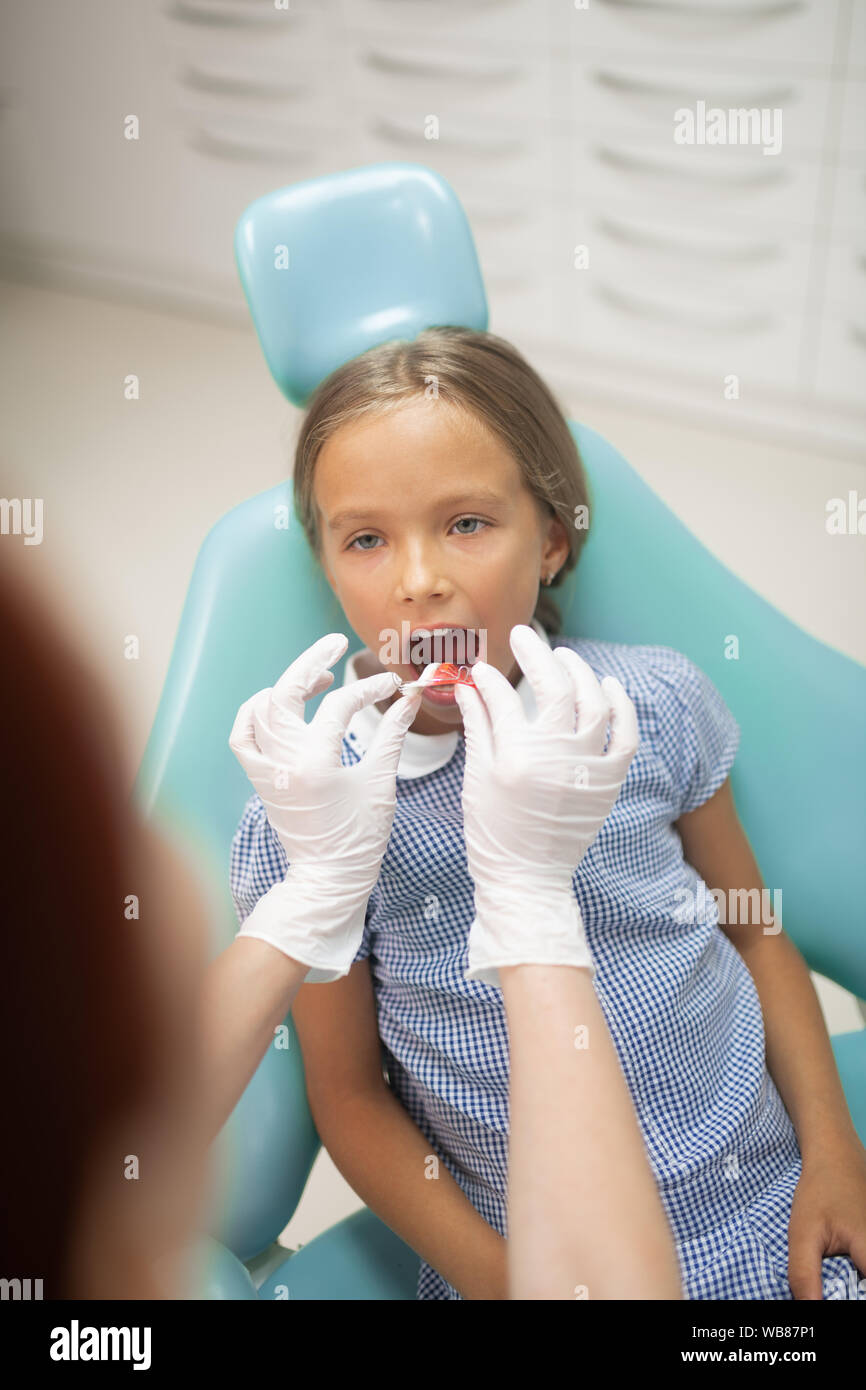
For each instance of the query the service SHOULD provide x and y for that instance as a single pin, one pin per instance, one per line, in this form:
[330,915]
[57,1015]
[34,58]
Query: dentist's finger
[282,720]
[503,703]
[304,678]
[551,685]
[243,737]
[280,736]
[477,729]
[624,734]
[387,743]
[589,704]
[336,710]
[429,672]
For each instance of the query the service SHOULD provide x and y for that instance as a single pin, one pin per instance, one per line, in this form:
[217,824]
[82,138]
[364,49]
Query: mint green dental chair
[331,267]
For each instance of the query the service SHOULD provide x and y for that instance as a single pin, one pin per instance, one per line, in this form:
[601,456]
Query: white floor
[131,488]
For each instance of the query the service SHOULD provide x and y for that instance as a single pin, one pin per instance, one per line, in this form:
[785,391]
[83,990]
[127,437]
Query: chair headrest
[333,266]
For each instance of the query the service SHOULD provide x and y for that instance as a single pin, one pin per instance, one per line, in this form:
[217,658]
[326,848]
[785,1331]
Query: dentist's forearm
[246,993]
[584,1212]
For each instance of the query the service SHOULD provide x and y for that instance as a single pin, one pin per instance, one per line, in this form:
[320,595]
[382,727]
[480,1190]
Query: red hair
[77,1018]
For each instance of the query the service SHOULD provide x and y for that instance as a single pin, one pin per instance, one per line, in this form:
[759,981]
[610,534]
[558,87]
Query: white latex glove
[332,821]
[535,796]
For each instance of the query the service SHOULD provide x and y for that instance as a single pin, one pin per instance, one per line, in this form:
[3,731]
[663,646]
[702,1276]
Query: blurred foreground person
[106,942]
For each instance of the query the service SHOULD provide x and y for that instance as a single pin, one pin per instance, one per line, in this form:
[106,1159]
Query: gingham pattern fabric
[680,1003]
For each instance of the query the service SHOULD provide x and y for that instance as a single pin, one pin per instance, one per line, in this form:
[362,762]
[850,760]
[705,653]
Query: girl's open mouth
[453,651]
[457,646]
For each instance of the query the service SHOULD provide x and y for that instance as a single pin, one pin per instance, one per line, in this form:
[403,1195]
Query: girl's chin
[438,710]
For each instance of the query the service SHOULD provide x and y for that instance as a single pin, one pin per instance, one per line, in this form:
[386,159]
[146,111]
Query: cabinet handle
[444,70]
[731,176]
[240,84]
[406,134]
[437,6]
[225,16]
[730,321]
[239,148]
[716,9]
[638,86]
[674,244]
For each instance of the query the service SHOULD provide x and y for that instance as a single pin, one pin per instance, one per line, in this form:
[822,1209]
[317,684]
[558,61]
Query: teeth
[445,642]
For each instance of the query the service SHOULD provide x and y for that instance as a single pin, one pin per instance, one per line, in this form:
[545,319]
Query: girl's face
[442,532]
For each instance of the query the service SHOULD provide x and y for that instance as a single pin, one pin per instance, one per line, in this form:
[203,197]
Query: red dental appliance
[446,676]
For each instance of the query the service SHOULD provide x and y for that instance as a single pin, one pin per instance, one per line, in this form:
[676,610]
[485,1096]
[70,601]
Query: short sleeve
[366,945]
[257,861]
[699,735]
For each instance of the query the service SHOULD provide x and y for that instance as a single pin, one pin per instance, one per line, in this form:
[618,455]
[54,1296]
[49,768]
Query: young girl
[400,449]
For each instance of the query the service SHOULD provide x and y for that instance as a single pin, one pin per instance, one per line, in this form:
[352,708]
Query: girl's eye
[470,518]
[367,535]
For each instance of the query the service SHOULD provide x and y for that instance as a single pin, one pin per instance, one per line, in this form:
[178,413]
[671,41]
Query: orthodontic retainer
[446,676]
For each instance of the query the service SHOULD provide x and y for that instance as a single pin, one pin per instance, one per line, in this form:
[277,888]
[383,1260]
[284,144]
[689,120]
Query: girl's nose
[420,579]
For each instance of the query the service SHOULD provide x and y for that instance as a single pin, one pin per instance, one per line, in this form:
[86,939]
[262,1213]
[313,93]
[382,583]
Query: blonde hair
[479,373]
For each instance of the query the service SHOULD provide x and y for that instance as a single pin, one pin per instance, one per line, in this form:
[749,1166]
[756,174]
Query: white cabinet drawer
[845,286]
[852,144]
[708,274]
[857,40]
[515,242]
[522,24]
[790,112]
[426,77]
[165,205]
[645,330]
[849,203]
[709,187]
[267,77]
[746,33]
[841,372]
[522,315]
[514,156]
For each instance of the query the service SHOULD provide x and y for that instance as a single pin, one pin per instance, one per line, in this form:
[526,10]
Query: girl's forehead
[432,423]
[377,455]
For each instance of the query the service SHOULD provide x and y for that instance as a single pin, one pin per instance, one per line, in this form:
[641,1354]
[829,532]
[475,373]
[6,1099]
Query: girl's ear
[556,550]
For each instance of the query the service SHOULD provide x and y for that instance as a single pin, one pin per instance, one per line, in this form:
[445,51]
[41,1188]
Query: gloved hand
[535,796]
[332,821]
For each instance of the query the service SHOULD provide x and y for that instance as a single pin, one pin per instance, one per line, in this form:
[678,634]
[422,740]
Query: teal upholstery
[379,253]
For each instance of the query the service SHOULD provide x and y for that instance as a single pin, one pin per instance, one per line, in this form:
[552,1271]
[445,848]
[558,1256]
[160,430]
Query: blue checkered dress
[680,1003]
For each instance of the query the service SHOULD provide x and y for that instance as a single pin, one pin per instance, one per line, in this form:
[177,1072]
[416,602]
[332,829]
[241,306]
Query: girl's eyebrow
[485,495]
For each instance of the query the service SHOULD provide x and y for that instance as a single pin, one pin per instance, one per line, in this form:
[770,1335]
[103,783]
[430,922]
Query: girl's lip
[439,695]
